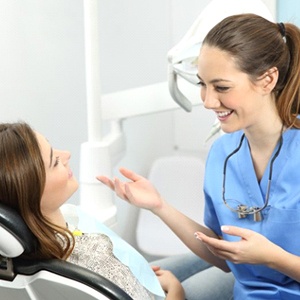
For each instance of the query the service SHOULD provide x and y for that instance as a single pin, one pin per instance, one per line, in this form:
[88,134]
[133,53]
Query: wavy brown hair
[257,45]
[22,182]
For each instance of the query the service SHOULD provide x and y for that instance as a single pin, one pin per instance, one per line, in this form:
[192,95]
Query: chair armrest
[71,271]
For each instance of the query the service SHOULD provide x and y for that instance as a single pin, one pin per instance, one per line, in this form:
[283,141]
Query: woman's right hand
[138,190]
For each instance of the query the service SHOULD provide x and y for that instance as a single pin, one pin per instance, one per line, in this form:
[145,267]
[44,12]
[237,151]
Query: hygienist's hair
[22,182]
[258,45]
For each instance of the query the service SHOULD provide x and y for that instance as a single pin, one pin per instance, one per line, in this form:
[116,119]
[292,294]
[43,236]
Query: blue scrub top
[281,218]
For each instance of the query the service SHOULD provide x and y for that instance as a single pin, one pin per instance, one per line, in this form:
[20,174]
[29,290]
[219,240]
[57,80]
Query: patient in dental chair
[36,180]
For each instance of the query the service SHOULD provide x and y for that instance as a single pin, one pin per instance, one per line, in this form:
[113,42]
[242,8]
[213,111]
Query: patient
[36,180]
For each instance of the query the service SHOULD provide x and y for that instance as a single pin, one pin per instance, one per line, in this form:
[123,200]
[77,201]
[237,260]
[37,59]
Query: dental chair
[22,279]
[179,179]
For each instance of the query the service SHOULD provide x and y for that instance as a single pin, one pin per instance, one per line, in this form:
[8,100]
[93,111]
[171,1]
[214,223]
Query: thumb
[155,268]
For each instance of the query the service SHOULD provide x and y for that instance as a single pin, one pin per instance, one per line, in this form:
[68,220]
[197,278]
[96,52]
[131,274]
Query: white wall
[42,75]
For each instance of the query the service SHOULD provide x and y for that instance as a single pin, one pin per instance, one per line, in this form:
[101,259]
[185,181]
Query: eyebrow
[214,80]
[51,155]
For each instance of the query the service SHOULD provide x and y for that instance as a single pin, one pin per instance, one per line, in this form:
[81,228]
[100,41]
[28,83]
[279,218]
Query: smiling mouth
[223,114]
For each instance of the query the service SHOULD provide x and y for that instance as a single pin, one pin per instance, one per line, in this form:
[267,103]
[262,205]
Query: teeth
[223,113]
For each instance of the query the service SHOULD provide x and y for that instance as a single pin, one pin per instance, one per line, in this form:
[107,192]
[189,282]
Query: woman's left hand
[170,284]
[252,248]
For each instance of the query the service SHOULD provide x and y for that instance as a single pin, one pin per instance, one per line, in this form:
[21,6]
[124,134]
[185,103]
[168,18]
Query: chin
[73,188]
[229,129]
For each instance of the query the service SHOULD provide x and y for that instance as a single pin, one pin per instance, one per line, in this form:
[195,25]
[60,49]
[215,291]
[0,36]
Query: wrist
[176,292]
[159,208]
[276,257]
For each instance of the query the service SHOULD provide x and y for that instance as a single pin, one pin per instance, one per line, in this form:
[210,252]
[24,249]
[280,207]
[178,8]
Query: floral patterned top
[94,251]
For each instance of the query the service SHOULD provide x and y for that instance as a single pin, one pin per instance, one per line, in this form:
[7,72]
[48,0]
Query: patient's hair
[22,182]
[258,45]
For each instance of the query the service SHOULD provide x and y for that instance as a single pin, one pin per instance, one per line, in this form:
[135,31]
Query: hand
[252,248]
[138,191]
[170,284]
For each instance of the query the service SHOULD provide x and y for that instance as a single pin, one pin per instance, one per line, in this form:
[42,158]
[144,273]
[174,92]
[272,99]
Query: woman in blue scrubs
[249,74]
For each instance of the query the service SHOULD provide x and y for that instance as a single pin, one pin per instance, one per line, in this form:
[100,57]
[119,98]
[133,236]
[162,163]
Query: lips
[223,115]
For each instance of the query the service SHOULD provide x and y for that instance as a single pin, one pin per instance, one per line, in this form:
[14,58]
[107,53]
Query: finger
[237,231]
[159,272]
[219,253]
[222,254]
[105,180]
[155,268]
[213,242]
[130,174]
[119,189]
[128,193]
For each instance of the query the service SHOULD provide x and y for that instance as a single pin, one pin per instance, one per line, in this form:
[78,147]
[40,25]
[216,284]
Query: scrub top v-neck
[280,219]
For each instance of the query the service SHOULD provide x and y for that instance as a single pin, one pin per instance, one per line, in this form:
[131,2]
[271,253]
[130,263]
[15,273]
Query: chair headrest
[16,237]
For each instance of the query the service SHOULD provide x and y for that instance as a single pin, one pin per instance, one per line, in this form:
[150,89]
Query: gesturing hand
[137,191]
[252,248]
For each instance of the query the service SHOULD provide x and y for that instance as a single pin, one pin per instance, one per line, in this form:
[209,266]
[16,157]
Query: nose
[209,98]
[65,155]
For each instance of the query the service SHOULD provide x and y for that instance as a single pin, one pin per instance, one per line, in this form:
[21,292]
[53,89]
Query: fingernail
[225,228]
[197,236]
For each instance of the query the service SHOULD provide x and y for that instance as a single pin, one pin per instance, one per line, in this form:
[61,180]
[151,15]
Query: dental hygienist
[248,71]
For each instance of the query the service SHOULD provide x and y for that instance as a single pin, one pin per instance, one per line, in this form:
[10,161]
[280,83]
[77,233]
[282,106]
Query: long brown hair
[22,182]
[257,45]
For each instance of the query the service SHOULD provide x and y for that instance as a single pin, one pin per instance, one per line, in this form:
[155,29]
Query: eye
[221,89]
[201,83]
[56,161]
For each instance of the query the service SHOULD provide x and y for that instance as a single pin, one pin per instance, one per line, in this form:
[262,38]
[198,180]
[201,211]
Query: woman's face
[60,182]
[237,102]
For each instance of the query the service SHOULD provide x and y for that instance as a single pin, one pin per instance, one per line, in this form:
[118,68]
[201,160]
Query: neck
[264,135]
[262,144]
[56,217]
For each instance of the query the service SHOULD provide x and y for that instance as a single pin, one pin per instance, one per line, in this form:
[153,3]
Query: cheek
[57,180]
[233,100]
[55,183]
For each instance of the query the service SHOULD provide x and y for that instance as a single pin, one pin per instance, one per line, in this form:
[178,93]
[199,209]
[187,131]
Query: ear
[268,80]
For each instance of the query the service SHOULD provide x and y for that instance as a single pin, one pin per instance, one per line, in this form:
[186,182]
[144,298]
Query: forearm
[285,262]
[185,228]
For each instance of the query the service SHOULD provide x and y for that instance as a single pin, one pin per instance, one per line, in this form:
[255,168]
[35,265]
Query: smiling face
[60,182]
[237,101]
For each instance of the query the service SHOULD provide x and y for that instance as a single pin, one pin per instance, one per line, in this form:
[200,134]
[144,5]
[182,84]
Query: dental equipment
[101,153]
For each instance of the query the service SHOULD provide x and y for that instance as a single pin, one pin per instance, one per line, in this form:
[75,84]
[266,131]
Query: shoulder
[291,142]
[292,134]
